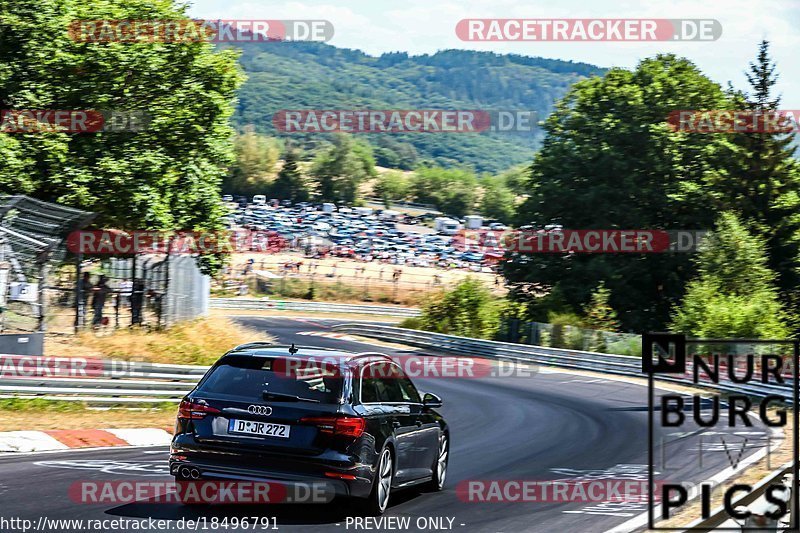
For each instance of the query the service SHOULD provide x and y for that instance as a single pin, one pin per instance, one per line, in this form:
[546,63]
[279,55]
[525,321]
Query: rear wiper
[267,395]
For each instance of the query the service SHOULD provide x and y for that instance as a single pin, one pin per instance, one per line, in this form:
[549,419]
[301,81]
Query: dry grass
[350,268]
[197,342]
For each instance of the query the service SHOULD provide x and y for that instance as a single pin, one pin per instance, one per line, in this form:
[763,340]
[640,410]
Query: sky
[425,26]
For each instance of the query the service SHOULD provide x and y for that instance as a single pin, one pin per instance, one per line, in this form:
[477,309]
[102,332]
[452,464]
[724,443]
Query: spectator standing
[99,295]
[85,288]
[137,301]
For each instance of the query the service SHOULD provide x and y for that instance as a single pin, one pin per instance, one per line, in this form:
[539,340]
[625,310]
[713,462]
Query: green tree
[598,312]
[517,179]
[762,183]
[498,201]
[393,154]
[166,176]
[735,293]
[610,161]
[290,183]
[451,190]
[469,310]
[340,170]
[256,155]
[392,186]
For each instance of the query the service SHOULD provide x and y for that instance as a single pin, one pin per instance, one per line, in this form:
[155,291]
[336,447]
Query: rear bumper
[307,479]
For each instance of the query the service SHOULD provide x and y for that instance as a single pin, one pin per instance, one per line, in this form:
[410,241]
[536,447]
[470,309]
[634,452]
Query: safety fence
[151,291]
[342,279]
[570,337]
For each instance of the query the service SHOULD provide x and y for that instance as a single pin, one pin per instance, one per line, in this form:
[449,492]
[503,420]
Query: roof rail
[254,345]
[265,344]
[371,354]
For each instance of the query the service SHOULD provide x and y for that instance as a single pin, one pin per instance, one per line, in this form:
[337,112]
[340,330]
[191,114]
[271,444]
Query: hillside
[319,76]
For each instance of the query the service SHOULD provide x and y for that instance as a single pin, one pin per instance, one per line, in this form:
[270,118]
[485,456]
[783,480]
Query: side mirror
[431,400]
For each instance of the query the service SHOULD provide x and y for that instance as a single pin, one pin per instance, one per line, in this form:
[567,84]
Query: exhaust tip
[195,473]
[185,472]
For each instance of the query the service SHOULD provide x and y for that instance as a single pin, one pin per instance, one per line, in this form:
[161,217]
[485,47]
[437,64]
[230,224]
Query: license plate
[264,429]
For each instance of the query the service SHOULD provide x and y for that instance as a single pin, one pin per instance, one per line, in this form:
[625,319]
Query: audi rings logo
[259,410]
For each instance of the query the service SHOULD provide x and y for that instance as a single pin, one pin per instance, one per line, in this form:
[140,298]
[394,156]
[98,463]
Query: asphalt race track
[550,425]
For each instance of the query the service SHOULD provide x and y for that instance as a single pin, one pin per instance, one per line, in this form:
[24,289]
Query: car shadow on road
[282,514]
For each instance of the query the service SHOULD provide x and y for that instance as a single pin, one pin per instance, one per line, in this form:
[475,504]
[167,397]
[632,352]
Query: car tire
[439,468]
[378,500]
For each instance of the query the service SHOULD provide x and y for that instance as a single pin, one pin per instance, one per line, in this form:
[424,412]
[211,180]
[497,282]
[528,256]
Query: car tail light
[194,411]
[339,475]
[339,426]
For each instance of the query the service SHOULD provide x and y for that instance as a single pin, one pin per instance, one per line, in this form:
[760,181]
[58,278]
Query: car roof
[265,349]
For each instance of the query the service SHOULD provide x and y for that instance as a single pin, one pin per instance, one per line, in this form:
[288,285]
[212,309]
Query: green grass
[62,406]
[37,404]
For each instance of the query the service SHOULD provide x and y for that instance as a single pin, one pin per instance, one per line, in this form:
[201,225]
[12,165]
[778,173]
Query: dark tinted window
[248,378]
[385,382]
[409,391]
[389,390]
[369,392]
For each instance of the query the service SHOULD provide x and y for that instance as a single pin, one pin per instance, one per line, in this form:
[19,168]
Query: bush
[469,310]
[412,322]
[631,346]
[735,294]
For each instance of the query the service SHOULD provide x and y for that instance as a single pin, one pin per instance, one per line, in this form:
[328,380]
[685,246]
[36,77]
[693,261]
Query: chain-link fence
[43,287]
[341,280]
[146,291]
[32,233]
[570,337]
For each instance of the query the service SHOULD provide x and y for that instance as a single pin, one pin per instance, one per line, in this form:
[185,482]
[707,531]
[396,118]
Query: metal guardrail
[108,383]
[557,357]
[330,307]
[114,382]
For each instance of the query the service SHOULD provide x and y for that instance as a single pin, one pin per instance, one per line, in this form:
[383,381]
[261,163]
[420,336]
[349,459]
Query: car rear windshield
[275,379]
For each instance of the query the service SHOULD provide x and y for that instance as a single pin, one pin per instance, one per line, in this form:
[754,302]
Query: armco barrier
[153,383]
[330,307]
[541,355]
[117,383]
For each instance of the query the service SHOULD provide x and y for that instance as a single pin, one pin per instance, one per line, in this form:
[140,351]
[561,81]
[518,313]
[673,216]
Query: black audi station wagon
[351,422]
